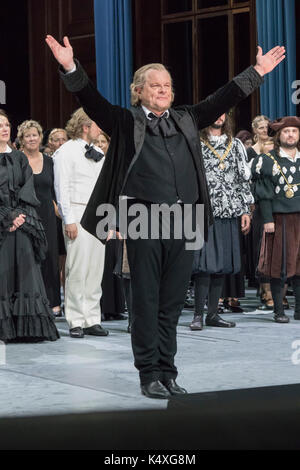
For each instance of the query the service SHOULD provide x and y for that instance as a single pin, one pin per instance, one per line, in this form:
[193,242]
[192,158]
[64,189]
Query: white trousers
[84,271]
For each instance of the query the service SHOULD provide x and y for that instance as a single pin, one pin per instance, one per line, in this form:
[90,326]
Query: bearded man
[276,177]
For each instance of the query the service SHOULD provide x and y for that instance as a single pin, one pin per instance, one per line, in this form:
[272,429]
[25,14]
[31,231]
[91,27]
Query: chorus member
[25,314]
[56,138]
[77,165]
[230,194]
[30,135]
[276,177]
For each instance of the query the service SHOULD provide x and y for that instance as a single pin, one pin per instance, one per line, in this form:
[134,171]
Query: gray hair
[139,80]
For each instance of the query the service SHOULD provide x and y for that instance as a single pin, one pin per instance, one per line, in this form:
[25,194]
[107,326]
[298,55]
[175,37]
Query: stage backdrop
[276,26]
[113,35]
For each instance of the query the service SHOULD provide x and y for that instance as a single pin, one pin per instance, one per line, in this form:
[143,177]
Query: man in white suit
[77,165]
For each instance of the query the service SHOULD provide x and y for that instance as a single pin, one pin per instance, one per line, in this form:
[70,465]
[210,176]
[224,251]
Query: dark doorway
[14,67]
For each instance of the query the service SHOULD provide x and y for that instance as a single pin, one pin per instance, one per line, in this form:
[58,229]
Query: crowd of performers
[50,190]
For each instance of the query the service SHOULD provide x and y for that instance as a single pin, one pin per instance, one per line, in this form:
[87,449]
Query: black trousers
[160,272]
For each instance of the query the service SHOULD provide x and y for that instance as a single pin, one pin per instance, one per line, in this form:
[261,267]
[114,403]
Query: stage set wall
[133,34]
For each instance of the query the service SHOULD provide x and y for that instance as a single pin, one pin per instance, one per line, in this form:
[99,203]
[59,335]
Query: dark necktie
[163,124]
[92,153]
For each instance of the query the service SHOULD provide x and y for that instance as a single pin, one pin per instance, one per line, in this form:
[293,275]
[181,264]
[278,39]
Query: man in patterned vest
[228,183]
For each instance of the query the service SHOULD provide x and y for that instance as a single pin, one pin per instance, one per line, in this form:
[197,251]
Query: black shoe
[173,387]
[155,389]
[285,304]
[95,330]
[197,323]
[76,332]
[232,308]
[113,317]
[281,318]
[216,320]
[264,307]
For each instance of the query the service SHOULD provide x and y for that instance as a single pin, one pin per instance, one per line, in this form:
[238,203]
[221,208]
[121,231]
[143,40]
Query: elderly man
[276,177]
[155,157]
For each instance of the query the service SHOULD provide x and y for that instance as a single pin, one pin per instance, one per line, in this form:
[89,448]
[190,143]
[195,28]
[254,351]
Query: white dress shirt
[74,177]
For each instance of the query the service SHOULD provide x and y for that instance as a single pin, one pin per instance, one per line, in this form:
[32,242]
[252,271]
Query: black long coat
[127,131]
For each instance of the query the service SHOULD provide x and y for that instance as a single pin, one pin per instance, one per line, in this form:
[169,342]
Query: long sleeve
[207,111]
[94,104]
[263,186]
[243,166]
[62,174]
[6,218]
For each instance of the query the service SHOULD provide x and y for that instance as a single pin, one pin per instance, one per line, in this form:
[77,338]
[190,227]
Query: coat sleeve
[94,104]
[263,186]
[209,110]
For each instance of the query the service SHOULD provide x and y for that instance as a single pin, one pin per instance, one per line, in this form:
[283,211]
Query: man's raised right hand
[63,54]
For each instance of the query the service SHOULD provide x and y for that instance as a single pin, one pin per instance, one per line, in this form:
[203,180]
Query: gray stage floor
[97,374]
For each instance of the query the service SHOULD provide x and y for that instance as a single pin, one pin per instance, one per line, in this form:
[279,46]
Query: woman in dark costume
[260,126]
[56,139]
[30,135]
[25,314]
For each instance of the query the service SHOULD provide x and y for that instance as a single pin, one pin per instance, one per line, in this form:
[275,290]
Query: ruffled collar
[218,140]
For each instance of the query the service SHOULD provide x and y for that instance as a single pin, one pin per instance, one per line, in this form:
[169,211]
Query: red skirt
[280,251]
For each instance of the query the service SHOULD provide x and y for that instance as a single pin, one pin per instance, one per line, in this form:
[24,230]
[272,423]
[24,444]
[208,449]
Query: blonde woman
[30,136]
[260,127]
[57,137]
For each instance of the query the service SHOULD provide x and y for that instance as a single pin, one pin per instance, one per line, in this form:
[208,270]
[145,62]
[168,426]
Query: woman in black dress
[57,137]
[30,136]
[25,314]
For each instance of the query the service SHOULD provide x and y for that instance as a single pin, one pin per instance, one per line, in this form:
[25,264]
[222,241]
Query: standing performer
[30,136]
[77,165]
[155,157]
[25,314]
[276,177]
[230,194]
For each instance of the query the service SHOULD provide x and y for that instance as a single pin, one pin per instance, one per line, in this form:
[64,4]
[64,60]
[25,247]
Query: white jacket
[74,177]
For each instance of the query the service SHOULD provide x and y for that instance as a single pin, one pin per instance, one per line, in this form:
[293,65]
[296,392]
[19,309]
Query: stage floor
[97,374]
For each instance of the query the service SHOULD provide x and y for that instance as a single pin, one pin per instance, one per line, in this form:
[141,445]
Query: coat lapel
[187,127]
[139,128]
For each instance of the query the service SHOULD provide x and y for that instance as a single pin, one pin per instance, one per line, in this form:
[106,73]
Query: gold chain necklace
[289,193]
[220,157]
